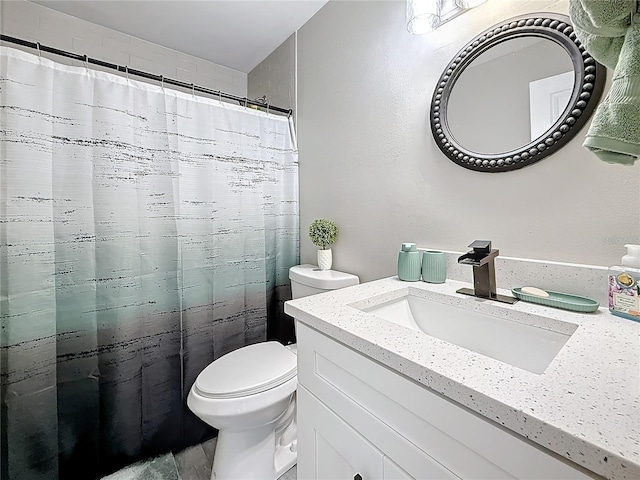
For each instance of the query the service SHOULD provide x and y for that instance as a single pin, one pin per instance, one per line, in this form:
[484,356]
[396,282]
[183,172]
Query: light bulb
[423,15]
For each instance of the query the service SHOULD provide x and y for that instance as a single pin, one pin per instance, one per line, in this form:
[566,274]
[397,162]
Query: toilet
[249,395]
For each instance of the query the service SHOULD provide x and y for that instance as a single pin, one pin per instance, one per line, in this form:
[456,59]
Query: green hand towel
[605,29]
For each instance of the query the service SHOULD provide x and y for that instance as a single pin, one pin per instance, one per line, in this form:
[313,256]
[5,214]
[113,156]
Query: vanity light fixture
[424,16]
[469,3]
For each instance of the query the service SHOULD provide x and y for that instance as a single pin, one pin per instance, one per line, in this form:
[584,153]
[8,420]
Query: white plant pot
[325,258]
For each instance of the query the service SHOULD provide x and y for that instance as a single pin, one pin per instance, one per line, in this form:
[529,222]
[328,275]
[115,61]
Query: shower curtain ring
[38,47]
[220,96]
[193,90]
[267,108]
[126,71]
[161,81]
[86,61]
[245,102]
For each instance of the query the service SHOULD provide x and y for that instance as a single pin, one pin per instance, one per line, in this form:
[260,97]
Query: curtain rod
[159,78]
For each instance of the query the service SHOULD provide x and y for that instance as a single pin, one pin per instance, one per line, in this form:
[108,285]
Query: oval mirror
[515,94]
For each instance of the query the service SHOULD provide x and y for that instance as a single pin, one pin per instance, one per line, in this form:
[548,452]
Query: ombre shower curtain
[144,232]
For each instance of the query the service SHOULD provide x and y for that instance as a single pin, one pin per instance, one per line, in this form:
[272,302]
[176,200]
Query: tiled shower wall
[33,22]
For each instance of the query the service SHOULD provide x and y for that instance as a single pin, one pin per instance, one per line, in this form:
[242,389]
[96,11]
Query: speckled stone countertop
[585,406]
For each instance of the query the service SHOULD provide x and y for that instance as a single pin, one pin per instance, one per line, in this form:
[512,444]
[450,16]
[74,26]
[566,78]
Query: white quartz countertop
[585,406]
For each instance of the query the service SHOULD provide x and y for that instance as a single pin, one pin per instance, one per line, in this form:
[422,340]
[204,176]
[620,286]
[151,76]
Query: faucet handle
[481,246]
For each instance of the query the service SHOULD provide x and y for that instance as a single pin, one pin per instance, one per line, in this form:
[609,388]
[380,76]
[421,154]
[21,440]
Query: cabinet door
[393,472]
[329,449]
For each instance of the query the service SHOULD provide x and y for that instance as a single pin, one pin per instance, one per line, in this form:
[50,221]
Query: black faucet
[484,272]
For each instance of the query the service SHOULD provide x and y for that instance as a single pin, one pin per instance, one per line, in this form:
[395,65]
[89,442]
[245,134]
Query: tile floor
[194,463]
[291,474]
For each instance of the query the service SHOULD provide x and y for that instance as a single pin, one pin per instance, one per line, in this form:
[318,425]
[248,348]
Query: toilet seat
[247,371]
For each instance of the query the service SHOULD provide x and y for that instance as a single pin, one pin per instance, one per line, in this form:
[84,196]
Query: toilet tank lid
[312,276]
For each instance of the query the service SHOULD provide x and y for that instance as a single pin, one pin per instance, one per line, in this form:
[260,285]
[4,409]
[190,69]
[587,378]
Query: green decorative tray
[564,301]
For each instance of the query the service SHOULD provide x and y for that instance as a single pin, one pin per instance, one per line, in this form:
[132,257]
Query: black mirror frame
[589,82]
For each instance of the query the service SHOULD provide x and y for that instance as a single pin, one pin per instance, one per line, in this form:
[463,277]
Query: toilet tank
[309,279]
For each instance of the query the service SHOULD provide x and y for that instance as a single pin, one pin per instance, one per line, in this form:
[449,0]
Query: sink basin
[489,332]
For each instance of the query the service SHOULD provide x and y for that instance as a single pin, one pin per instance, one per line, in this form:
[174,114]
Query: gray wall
[33,22]
[275,76]
[369,162]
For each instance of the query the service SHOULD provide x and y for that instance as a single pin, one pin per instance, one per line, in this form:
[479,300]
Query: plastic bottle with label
[624,285]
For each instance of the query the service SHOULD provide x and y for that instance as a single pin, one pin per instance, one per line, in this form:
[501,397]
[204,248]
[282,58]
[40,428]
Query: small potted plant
[323,234]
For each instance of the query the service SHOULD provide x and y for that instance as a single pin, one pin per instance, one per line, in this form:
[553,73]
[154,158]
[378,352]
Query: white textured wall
[275,76]
[368,160]
[33,22]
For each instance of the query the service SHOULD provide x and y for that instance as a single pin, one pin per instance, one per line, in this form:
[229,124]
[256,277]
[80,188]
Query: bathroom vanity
[522,391]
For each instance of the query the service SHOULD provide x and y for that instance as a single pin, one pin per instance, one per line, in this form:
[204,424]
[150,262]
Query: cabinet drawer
[456,439]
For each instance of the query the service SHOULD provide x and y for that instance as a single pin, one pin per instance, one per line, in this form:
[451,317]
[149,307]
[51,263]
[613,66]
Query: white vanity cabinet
[360,419]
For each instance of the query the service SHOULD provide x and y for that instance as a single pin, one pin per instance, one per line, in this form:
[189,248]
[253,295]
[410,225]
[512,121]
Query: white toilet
[249,396]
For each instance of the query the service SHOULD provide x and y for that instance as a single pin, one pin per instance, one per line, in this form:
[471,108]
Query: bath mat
[158,468]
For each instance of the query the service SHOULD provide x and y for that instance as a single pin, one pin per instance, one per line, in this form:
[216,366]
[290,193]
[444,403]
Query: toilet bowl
[249,396]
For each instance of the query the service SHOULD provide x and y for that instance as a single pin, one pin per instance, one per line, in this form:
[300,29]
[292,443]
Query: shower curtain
[144,232]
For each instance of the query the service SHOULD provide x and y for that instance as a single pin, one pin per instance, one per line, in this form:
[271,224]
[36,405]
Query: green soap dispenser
[409,263]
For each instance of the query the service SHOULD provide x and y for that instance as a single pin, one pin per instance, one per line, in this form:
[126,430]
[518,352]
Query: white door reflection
[548,97]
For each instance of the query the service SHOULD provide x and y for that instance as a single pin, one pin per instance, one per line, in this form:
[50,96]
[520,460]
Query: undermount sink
[489,333]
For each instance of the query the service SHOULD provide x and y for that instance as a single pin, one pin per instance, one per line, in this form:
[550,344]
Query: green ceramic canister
[409,263]
[434,266]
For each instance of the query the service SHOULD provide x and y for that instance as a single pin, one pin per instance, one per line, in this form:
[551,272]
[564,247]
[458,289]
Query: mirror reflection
[510,95]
